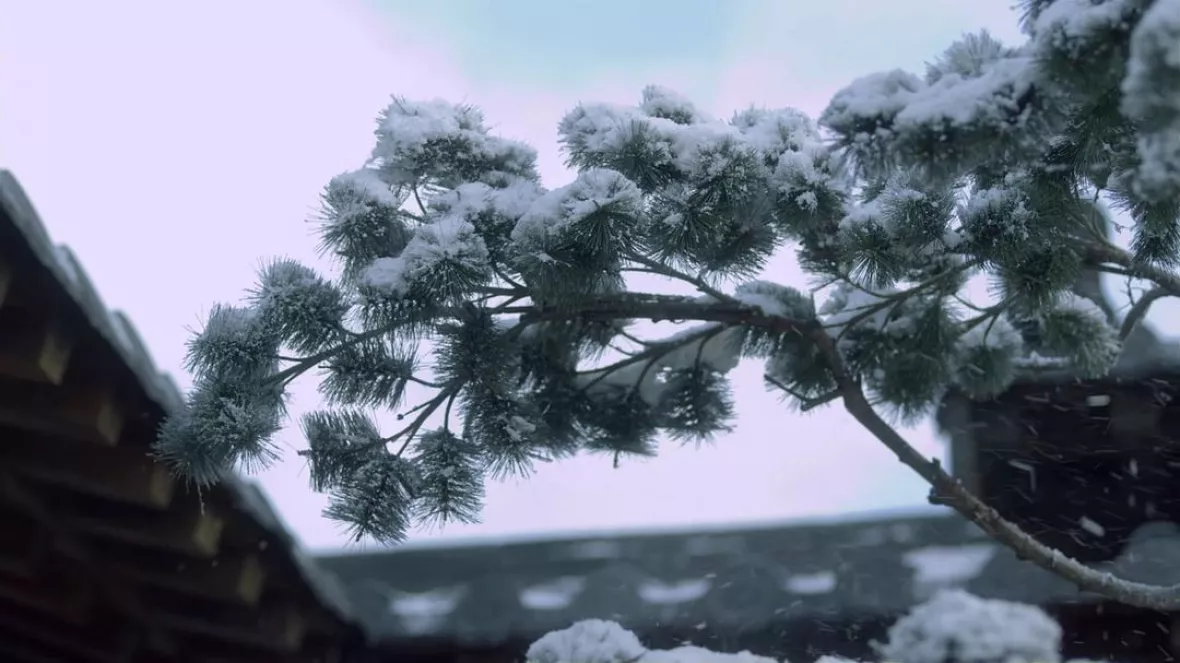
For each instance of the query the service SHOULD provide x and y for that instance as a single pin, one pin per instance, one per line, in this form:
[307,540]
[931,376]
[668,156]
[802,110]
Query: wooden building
[1090,467]
[105,557]
[1081,464]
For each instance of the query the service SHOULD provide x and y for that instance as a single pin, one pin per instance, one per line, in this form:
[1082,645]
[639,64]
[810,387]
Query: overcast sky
[175,145]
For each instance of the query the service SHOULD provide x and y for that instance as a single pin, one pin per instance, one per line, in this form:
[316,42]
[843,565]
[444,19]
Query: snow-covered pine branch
[462,277]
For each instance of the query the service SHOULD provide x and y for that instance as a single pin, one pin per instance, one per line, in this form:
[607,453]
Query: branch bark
[946,489]
[951,492]
[1139,311]
[1101,253]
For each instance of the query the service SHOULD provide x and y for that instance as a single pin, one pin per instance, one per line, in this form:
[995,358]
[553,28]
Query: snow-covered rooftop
[752,577]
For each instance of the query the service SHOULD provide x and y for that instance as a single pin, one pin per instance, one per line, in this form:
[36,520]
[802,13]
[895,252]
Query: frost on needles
[459,275]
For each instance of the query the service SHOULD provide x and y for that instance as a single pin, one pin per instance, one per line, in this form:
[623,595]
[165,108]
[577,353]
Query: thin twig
[1139,311]
[306,363]
[661,269]
[634,339]
[447,411]
[807,402]
[430,408]
[418,199]
[507,279]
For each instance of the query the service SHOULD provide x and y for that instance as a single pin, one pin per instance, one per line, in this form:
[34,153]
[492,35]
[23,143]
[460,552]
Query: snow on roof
[821,569]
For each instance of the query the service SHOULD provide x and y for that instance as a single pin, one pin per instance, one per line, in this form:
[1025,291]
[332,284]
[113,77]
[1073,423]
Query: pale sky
[175,145]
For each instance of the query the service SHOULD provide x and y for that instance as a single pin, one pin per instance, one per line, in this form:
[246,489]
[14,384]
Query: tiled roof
[726,579]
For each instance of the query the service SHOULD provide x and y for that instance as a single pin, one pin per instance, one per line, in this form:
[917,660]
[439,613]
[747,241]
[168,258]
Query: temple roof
[741,578]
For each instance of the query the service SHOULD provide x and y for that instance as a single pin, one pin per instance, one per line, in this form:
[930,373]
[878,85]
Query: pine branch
[806,403]
[304,364]
[947,490]
[1099,253]
[503,276]
[635,339]
[456,273]
[424,383]
[651,355]
[418,200]
[1139,311]
[658,268]
[425,410]
[660,308]
[515,291]
[1167,283]
[951,492]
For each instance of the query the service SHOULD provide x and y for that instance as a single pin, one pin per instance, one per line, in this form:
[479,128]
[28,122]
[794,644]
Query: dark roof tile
[728,580]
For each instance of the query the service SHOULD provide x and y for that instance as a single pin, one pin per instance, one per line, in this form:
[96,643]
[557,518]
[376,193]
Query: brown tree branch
[946,489]
[1099,253]
[953,493]
[1139,310]
[1167,283]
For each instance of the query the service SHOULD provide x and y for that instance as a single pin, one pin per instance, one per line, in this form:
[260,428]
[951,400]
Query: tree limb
[805,403]
[947,489]
[953,493]
[1139,311]
[662,308]
[1096,254]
